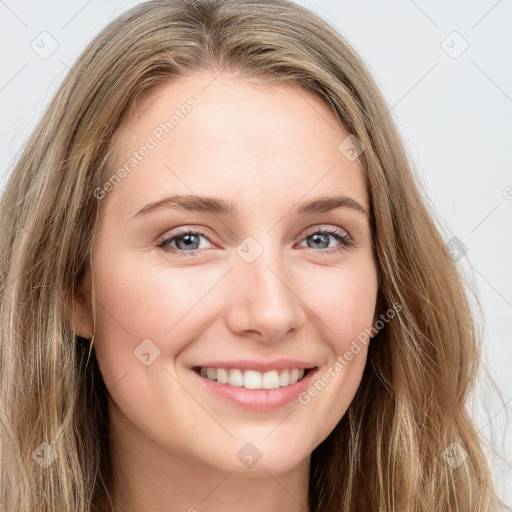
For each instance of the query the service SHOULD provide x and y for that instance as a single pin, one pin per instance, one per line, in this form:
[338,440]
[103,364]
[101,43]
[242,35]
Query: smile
[252,379]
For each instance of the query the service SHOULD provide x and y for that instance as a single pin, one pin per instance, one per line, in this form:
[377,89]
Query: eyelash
[344,238]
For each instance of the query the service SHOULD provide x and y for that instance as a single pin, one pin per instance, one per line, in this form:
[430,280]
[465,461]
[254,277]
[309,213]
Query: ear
[380,302]
[380,305]
[79,309]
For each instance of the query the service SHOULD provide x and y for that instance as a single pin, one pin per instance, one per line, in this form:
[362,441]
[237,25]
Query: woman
[256,371]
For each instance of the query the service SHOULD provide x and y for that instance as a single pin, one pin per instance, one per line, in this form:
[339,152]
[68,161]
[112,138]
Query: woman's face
[260,283]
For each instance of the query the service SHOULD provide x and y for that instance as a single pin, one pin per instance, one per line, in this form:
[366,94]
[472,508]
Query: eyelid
[192,228]
[183,231]
[324,227]
[346,239]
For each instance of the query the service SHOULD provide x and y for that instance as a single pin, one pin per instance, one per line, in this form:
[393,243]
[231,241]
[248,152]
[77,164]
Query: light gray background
[453,107]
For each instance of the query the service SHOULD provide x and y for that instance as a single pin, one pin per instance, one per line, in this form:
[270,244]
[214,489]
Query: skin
[267,148]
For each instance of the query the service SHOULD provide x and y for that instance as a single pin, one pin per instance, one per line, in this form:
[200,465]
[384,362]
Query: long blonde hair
[386,453]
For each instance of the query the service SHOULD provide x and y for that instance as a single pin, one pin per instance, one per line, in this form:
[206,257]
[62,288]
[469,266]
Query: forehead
[211,134]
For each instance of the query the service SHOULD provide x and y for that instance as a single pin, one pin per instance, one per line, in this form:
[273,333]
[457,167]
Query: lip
[259,366]
[257,399]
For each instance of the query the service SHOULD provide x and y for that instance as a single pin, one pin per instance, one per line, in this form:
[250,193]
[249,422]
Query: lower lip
[258,399]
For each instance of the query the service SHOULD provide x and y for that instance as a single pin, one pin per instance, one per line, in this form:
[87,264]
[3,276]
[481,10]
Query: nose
[265,304]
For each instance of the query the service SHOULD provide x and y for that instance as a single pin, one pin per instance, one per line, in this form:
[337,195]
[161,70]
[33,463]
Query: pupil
[324,243]
[189,240]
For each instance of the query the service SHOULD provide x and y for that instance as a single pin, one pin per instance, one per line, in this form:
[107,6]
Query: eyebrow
[219,206]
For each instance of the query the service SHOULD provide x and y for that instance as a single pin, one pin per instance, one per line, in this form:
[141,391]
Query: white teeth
[236,378]
[222,376]
[270,380]
[252,379]
[294,376]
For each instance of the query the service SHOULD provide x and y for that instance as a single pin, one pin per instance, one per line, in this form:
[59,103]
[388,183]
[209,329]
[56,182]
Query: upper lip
[261,366]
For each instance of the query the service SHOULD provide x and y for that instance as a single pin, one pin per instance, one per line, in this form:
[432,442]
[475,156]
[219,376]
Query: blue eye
[187,241]
[321,236]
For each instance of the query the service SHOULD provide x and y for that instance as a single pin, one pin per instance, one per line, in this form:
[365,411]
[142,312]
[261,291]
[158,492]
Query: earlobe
[79,312]
[380,306]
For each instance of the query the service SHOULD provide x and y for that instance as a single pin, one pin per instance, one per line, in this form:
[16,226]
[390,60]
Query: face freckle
[260,287]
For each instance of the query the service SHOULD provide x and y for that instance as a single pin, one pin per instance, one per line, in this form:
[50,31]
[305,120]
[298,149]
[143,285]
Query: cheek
[344,303]
[344,300]
[135,303]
